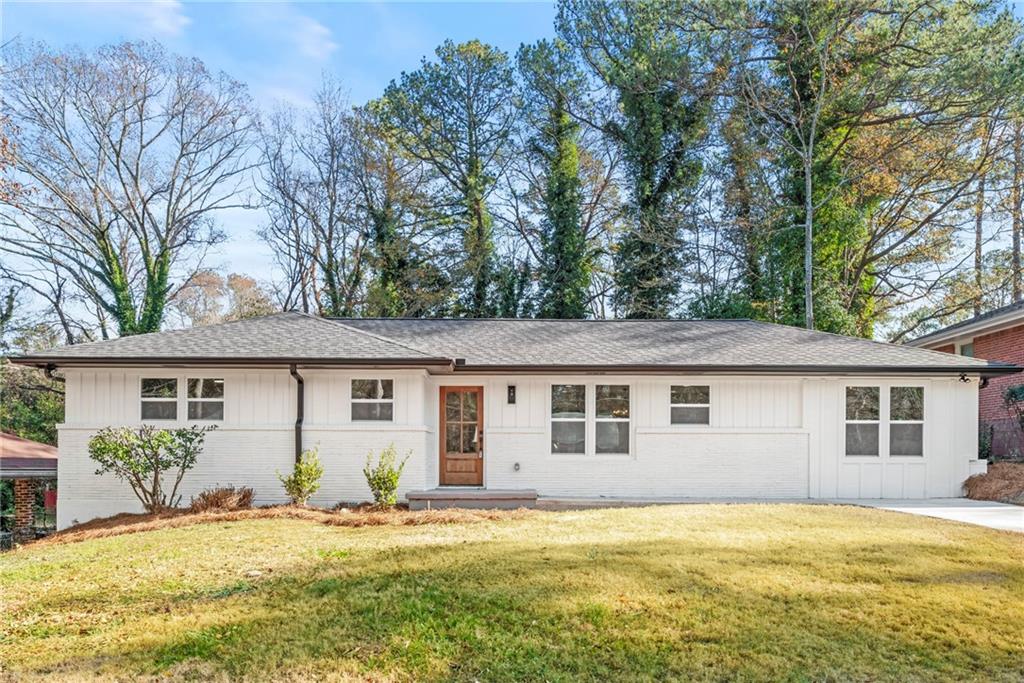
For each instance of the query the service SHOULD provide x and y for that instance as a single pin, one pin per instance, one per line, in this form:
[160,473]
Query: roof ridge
[335,321]
[545,320]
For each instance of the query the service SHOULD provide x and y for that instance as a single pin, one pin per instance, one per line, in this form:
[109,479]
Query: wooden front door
[462,436]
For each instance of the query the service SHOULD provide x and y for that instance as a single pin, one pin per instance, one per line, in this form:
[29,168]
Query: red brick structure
[996,335]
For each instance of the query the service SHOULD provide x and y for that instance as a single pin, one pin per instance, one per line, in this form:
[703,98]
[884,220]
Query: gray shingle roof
[727,345]
[696,343]
[284,336]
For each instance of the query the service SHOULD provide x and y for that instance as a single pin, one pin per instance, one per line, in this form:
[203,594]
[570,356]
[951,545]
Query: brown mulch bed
[1004,482]
[131,523]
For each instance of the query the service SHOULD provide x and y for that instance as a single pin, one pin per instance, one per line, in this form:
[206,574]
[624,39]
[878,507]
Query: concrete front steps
[471,497]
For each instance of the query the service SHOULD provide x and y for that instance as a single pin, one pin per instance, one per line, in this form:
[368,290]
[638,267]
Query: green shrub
[985,431]
[383,477]
[142,457]
[304,480]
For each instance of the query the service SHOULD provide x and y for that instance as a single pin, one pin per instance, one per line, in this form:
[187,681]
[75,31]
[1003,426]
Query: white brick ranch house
[566,409]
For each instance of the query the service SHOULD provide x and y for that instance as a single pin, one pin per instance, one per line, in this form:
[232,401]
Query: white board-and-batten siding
[768,437]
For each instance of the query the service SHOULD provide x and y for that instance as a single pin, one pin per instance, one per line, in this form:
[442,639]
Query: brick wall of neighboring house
[948,348]
[1008,346]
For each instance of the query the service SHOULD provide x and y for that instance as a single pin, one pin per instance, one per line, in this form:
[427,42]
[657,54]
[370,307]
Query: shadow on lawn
[517,610]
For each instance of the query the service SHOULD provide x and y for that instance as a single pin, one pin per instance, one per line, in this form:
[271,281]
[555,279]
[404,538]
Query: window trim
[884,412]
[222,400]
[150,399]
[352,401]
[627,420]
[590,417]
[671,405]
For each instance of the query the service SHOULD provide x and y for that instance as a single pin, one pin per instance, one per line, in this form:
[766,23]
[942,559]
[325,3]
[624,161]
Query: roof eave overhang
[37,473]
[212,361]
[816,370]
[975,329]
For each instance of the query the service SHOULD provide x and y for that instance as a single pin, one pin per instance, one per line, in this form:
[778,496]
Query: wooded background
[855,167]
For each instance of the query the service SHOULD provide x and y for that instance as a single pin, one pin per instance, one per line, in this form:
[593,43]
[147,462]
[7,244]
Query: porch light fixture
[511,394]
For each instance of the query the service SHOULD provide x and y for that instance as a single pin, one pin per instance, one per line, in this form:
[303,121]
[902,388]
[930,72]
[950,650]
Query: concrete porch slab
[471,497]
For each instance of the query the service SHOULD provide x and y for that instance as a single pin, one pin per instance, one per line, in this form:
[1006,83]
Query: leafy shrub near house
[1013,399]
[304,480]
[383,477]
[222,498]
[147,458]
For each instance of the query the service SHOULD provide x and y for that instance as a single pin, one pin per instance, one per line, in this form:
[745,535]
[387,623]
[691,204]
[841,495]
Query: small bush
[222,498]
[304,480]
[383,477]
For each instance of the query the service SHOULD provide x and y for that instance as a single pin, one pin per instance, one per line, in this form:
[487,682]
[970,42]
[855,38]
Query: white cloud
[305,36]
[164,17]
[312,38]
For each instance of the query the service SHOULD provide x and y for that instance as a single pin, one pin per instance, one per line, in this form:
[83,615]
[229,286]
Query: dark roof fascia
[990,370]
[986,323]
[64,361]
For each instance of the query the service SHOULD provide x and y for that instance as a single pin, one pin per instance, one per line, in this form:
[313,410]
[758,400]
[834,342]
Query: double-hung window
[863,420]
[690,404]
[373,400]
[906,421]
[568,418]
[611,418]
[205,399]
[590,419]
[159,397]
[885,420]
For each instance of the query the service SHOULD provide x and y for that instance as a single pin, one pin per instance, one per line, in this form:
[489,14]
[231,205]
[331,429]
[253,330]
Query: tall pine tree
[550,82]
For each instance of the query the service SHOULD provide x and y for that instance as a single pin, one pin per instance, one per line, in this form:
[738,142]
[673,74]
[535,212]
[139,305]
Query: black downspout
[300,401]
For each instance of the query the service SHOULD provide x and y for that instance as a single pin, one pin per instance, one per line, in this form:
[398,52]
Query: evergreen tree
[656,60]
[566,259]
[456,114]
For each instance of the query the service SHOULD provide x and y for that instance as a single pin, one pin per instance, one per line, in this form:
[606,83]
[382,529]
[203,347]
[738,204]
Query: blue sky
[281,49]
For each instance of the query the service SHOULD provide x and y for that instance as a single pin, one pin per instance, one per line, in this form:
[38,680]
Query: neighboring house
[998,336]
[29,465]
[566,408]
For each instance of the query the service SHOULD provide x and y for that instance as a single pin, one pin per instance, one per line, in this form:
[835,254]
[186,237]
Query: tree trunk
[1015,206]
[808,245]
[979,213]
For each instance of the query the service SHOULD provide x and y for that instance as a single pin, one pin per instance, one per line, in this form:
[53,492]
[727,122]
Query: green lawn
[701,592]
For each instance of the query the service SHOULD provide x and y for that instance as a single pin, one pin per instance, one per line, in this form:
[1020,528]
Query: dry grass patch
[132,523]
[695,592]
[1004,482]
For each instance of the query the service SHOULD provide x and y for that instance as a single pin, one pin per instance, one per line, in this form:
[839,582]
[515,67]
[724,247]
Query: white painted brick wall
[769,437]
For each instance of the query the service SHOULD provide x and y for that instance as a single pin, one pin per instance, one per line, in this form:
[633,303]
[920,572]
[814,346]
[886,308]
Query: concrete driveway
[981,512]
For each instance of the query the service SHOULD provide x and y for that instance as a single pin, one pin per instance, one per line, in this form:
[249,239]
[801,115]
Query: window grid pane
[569,401]
[863,403]
[691,394]
[159,410]
[691,415]
[906,404]
[160,387]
